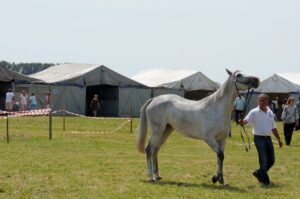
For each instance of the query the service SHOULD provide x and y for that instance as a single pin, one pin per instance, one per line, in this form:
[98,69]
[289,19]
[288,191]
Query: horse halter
[246,104]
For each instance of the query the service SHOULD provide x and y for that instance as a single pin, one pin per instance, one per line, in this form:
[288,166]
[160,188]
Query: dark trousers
[288,132]
[266,156]
[237,116]
[298,127]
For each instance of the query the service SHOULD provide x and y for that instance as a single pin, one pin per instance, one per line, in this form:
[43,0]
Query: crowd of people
[24,102]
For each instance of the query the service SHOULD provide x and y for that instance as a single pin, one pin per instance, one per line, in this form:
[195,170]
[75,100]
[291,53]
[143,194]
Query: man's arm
[276,134]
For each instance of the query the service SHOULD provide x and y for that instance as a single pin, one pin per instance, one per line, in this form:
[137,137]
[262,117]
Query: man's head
[263,100]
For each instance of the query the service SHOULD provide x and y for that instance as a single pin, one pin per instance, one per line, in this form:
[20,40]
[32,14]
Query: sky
[257,37]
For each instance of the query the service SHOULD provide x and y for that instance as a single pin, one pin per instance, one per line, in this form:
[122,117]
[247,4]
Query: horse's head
[243,81]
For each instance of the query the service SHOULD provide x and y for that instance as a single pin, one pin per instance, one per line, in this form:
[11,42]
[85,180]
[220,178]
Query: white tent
[277,84]
[74,85]
[293,77]
[180,81]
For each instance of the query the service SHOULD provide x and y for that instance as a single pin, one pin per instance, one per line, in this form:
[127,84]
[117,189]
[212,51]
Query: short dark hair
[264,95]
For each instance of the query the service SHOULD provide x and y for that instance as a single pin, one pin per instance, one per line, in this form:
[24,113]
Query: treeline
[26,68]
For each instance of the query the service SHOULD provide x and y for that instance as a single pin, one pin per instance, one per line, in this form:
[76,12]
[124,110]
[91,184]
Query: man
[95,105]
[298,108]
[262,119]
[9,99]
[239,105]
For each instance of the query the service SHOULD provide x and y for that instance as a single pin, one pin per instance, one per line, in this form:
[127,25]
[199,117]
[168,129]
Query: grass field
[89,161]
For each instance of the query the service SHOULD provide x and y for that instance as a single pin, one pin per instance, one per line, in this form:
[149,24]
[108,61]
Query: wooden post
[7,129]
[64,120]
[50,125]
[130,119]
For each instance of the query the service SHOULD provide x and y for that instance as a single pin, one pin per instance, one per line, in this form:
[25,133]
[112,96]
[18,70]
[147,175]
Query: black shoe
[267,183]
[257,176]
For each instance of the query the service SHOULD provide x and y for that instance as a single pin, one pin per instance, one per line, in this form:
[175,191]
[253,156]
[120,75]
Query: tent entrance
[4,86]
[109,99]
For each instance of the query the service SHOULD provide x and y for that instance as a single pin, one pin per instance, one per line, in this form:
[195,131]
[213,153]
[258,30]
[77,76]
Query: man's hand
[280,143]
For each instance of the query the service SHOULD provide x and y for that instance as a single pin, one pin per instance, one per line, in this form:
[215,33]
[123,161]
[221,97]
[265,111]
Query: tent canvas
[277,84]
[293,77]
[186,83]
[75,85]
[175,79]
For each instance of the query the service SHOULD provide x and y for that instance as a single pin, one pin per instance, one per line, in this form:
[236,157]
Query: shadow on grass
[226,187]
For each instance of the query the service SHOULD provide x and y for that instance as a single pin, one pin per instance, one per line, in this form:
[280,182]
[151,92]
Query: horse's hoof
[158,178]
[215,179]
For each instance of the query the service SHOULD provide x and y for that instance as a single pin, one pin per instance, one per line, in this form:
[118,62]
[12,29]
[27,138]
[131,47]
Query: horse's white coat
[208,119]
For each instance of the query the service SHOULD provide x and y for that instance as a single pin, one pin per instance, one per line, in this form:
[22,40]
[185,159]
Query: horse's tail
[142,129]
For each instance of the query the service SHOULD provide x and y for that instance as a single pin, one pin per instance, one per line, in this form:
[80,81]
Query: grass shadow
[226,187]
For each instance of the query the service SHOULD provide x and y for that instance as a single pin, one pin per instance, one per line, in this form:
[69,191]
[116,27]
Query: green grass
[88,161]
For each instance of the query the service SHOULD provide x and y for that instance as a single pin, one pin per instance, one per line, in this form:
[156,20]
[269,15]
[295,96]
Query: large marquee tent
[190,84]
[73,86]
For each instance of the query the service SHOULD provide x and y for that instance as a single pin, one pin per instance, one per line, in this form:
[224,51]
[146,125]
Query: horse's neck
[225,96]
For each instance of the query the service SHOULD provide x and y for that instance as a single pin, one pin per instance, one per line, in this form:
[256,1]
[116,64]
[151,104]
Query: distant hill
[26,68]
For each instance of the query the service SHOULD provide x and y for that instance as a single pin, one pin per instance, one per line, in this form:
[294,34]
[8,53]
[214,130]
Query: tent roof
[277,84]
[7,75]
[83,74]
[175,79]
[293,77]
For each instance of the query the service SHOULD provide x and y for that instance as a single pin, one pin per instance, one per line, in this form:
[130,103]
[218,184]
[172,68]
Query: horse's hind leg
[165,136]
[152,149]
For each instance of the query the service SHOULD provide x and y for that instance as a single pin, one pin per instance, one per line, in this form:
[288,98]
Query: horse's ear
[229,72]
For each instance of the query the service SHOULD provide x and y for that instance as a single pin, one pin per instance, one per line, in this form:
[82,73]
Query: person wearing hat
[95,105]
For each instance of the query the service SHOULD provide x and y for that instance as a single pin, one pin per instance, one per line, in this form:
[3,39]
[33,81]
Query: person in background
[290,118]
[95,105]
[32,100]
[275,107]
[263,122]
[23,101]
[9,100]
[48,101]
[284,103]
[239,106]
[298,108]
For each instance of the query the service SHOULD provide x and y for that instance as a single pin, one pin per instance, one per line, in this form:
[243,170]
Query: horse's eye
[239,75]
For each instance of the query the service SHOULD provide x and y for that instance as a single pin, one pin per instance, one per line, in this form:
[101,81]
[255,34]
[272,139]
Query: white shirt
[9,96]
[263,122]
[23,99]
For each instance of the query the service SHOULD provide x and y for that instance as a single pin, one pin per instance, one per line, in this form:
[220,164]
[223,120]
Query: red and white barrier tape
[88,117]
[37,112]
[101,132]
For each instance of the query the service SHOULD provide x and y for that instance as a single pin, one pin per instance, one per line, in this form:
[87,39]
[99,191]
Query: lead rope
[247,100]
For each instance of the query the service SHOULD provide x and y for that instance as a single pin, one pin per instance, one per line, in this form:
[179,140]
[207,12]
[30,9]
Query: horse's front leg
[218,147]
[219,177]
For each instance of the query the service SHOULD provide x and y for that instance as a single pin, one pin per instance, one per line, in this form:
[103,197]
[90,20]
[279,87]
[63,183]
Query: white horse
[208,119]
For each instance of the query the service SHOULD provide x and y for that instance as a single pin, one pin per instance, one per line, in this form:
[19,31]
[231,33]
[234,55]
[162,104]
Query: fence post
[7,129]
[130,119]
[50,124]
[64,120]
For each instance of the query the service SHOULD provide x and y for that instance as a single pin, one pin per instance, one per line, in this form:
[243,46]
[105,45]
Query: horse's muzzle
[255,82]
